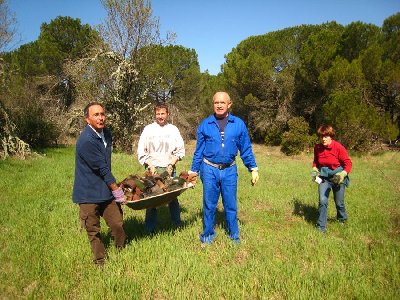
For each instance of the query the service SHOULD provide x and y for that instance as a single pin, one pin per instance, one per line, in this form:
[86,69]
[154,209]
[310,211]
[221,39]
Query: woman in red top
[332,164]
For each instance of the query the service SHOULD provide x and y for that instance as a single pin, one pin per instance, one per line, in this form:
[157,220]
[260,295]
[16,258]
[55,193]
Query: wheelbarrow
[157,200]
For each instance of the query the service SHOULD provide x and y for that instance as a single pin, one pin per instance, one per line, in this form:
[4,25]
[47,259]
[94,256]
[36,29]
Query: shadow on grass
[219,219]
[308,212]
[134,227]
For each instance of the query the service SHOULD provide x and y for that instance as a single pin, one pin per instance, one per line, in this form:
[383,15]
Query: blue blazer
[93,168]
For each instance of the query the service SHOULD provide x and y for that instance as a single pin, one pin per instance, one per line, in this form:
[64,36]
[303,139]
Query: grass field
[45,255]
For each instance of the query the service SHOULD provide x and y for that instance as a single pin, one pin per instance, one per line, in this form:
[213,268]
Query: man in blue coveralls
[219,138]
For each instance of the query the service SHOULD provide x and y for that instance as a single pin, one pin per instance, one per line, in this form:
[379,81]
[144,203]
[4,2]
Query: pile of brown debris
[139,187]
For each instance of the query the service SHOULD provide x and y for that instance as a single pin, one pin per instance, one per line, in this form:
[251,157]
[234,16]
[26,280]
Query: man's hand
[192,177]
[254,176]
[173,160]
[119,195]
[150,167]
[339,177]
[170,169]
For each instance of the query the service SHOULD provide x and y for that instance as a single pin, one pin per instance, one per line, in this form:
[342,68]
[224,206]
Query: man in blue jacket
[95,188]
[219,138]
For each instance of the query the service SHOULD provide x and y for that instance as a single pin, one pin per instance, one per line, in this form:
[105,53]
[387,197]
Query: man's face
[221,105]
[161,116]
[96,117]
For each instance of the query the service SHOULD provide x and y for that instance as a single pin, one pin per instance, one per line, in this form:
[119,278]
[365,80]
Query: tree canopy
[284,83]
[304,70]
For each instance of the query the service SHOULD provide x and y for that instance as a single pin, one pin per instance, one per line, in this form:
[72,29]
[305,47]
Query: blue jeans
[151,215]
[215,183]
[338,194]
[150,219]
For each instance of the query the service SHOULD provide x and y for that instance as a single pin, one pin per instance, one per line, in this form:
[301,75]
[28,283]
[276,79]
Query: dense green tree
[387,92]
[35,88]
[64,38]
[317,55]
[358,124]
[279,81]
[296,71]
[175,66]
[179,83]
[27,61]
[297,139]
[391,38]
[356,37]
[210,85]
[262,70]
[389,87]
[342,75]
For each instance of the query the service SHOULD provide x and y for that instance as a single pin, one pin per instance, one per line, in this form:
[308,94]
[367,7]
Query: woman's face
[326,140]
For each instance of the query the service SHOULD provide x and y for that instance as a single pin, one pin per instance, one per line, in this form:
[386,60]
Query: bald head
[223,95]
[222,102]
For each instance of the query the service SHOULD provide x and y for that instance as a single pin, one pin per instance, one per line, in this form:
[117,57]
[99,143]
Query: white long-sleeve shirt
[158,143]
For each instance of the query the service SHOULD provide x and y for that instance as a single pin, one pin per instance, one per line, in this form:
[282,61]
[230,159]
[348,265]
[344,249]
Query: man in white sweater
[160,148]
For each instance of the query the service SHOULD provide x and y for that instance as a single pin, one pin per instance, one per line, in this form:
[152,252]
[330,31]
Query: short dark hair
[86,109]
[161,106]
[326,130]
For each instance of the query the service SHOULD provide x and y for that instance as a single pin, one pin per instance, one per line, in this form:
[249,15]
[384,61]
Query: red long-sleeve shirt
[332,156]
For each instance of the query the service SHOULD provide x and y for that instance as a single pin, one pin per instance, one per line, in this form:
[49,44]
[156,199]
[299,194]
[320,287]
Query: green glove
[339,177]
[315,169]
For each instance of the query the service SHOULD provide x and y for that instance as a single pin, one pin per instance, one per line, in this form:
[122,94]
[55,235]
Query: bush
[273,136]
[35,128]
[10,145]
[297,139]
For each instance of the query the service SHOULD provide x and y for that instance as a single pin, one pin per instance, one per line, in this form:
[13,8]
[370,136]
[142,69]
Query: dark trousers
[111,212]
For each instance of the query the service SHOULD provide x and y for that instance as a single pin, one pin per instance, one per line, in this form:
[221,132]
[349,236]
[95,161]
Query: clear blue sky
[211,27]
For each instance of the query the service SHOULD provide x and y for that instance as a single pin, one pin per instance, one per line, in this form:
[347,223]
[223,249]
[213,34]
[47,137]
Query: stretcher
[157,200]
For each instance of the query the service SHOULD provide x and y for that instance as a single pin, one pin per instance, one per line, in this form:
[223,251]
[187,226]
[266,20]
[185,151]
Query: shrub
[297,139]
[10,144]
[35,128]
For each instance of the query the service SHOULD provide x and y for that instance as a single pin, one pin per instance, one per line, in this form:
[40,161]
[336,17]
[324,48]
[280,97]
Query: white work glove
[254,176]
[315,169]
[315,175]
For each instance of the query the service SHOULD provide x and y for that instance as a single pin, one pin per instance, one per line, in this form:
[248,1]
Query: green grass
[45,255]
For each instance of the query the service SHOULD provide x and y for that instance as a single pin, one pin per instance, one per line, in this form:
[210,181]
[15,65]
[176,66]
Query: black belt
[219,166]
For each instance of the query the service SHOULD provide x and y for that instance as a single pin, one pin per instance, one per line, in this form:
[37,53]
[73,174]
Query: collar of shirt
[330,146]
[213,118]
[100,135]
